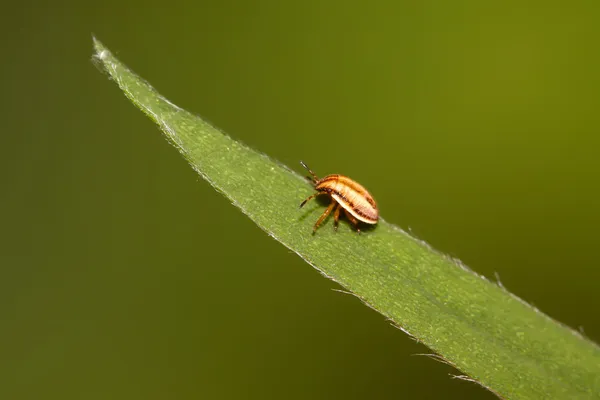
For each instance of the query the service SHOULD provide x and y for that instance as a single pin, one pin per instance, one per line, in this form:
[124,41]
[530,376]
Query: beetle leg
[352,219]
[324,215]
[336,216]
[309,198]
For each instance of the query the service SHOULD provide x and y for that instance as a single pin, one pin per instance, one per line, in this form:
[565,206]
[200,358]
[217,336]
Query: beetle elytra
[347,195]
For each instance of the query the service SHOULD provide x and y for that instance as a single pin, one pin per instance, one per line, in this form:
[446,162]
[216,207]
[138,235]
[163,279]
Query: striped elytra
[347,195]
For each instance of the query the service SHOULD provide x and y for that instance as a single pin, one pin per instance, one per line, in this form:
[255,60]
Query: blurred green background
[125,276]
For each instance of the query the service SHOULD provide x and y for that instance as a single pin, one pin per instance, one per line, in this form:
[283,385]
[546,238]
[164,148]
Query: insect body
[347,195]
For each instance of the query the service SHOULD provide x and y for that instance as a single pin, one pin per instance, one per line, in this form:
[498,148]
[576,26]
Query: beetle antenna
[310,171]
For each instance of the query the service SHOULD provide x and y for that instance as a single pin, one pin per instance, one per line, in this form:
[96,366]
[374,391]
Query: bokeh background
[123,275]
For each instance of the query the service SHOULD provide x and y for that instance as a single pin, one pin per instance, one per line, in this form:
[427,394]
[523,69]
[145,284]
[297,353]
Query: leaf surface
[490,335]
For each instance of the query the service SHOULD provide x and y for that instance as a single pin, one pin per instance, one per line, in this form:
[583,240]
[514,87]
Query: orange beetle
[346,194]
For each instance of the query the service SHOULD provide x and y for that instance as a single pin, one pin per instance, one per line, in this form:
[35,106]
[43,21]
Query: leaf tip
[101,52]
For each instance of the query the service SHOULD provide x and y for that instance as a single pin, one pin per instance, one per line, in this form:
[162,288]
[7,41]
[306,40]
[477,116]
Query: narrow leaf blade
[484,331]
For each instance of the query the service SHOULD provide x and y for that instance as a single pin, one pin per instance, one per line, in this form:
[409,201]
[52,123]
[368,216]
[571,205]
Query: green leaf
[490,335]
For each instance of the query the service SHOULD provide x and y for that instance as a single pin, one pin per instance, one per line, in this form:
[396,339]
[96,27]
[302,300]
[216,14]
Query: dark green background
[125,276]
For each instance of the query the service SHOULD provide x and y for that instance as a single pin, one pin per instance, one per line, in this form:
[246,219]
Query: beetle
[347,195]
